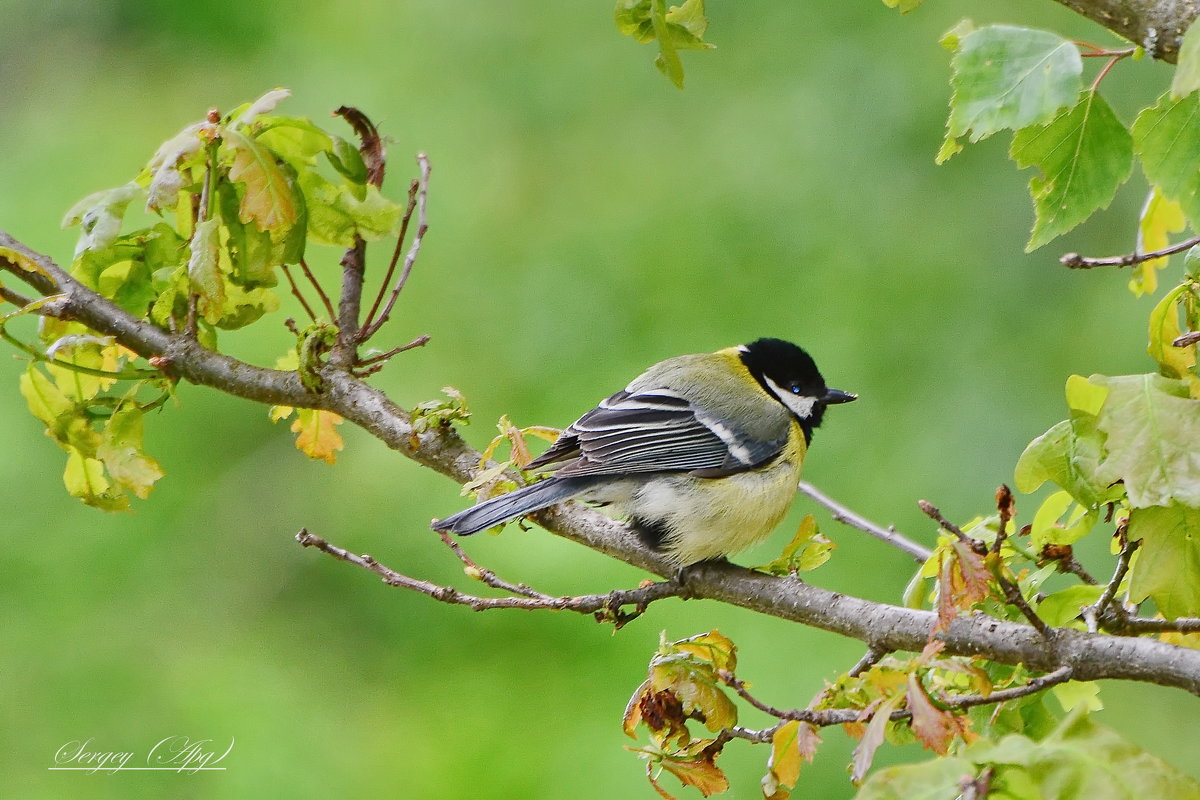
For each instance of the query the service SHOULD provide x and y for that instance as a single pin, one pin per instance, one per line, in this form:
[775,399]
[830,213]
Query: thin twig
[18,300]
[869,659]
[320,290]
[1094,612]
[605,607]
[1060,675]
[1013,595]
[296,292]
[1065,559]
[413,251]
[368,322]
[1112,62]
[1076,261]
[841,513]
[372,364]
[839,716]
[934,513]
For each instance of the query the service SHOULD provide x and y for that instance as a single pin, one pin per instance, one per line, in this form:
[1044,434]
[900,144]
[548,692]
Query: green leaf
[1046,528]
[1063,606]
[1078,694]
[1153,430]
[1084,154]
[1173,362]
[46,400]
[1167,567]
[1070,453]
[1006,77]
[938,779]
[1187,69]
[1081,760]
[681,27]
[269,196]
[335,215]
[121,452]
[84,478]
[296,140]
[905,6]
[204,271]
[1166,138]
[808,550]
[99,216]
[348,161]
[1160,217]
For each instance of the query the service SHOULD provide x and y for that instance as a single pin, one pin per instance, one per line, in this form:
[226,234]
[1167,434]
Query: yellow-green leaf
[204,270]
[318,436]
[1160,216]
[121,452]
[269,200]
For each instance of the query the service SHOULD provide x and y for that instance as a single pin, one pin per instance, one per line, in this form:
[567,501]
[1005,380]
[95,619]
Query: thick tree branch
[1156,25]
[882,626]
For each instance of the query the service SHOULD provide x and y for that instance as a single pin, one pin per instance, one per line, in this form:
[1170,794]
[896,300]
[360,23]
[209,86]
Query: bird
[701,452]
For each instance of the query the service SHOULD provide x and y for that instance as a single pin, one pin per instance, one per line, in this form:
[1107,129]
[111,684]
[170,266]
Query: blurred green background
[587,219]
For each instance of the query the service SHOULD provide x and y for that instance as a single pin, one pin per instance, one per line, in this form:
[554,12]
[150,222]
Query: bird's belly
[705,518]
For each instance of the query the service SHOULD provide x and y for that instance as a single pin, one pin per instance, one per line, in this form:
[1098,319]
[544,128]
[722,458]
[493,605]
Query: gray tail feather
[491,513]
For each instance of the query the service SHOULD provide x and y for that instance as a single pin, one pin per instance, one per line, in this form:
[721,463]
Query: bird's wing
[654,431]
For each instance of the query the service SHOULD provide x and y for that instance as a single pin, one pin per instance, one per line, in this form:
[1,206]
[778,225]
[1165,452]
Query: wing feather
[652,431]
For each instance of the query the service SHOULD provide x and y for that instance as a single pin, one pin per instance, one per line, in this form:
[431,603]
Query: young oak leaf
[934,728]
[269,200]
[712,647]
[204,270]
[698,690]
[1160,216]
[121,452]
[962,582]
[808,550]
[1167,568]
[1153,429]
[318,435]
[1084,154]
[864,752]
[1173,362]
[793,743]
[699,770]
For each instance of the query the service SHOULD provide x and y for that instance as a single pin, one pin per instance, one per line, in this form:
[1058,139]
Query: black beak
[834,396]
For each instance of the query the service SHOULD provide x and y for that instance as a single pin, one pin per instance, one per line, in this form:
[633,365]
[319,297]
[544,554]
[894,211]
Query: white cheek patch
[800,405]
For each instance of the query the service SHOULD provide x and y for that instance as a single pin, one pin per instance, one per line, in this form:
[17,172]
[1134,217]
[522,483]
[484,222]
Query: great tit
[701,452]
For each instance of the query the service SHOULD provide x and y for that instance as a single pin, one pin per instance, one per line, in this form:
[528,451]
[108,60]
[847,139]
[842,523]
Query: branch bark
[1156,25]
[882,626]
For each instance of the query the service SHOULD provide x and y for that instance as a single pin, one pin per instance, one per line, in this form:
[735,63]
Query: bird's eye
[795,387]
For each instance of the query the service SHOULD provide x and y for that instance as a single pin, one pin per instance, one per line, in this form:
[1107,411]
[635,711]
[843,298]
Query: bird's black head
[789,374]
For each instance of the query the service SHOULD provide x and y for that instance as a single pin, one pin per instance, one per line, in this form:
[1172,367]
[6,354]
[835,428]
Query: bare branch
[368,322]
[296,293]
[840,716]
[413,251]
[846,516]
[934,513]
[605,607]
[1076,261]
